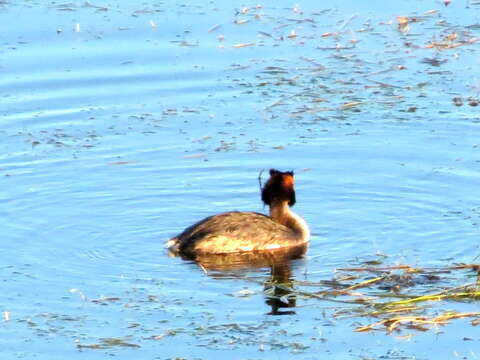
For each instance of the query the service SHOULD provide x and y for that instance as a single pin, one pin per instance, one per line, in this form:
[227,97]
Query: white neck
[281,213]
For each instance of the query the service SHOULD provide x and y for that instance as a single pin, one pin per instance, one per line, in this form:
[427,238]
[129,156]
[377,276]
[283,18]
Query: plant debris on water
[107,343]
[211,82]
[392,298]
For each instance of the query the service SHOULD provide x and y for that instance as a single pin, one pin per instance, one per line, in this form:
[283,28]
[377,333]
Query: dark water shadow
[277,289]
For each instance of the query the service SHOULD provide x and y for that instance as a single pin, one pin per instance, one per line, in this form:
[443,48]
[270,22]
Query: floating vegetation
[84,131]
[107,343]
[416,322]
[401,296]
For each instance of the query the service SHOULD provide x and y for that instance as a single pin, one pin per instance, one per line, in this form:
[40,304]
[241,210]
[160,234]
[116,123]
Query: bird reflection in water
[278,288]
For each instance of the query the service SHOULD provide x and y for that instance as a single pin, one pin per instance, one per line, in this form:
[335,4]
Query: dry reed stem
[394,322]
[397,267]
[436,297]
[365,283]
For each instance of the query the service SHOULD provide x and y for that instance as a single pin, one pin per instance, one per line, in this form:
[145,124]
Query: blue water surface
[124,122]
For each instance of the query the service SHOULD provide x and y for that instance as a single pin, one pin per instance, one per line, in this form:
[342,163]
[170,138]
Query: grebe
[235,231]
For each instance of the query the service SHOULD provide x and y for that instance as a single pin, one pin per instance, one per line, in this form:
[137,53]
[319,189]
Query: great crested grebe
[236,231]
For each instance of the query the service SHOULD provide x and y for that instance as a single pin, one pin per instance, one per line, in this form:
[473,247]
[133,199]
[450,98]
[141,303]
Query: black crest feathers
[280,187]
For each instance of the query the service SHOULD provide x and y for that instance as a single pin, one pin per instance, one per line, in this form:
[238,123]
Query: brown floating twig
[394,322]
[397,267]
